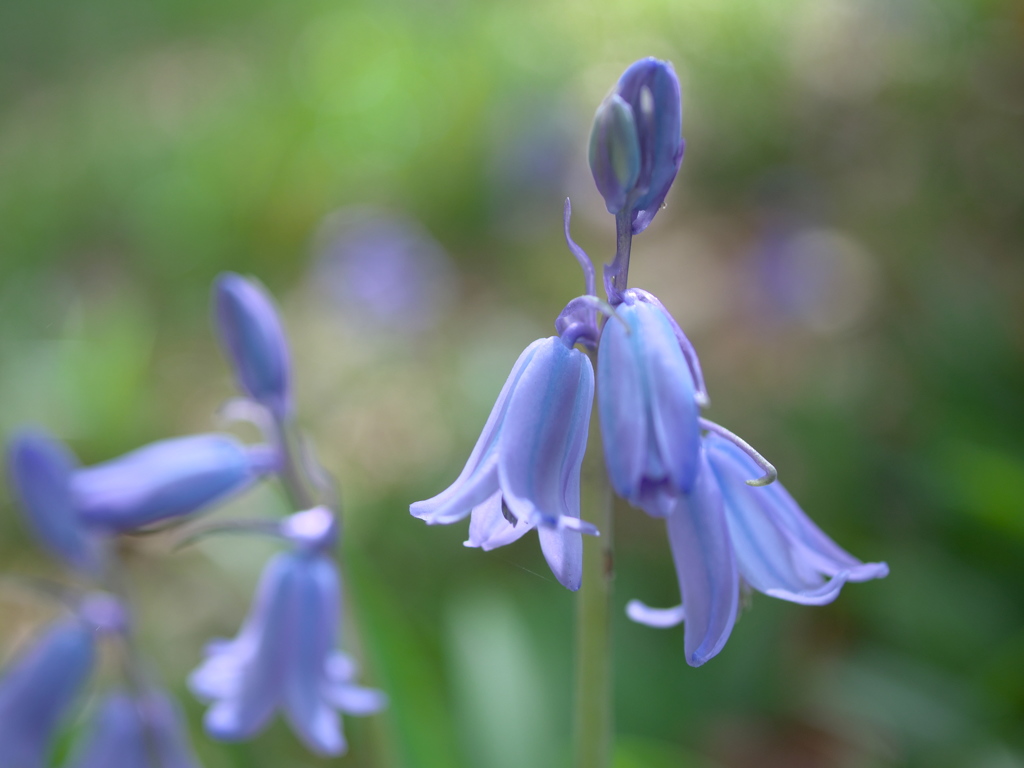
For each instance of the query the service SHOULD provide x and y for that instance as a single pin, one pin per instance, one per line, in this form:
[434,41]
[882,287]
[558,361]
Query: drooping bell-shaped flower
[253,339]
[725,529]
[524,471]
[779,550]
[636,145]
[648,398]
[39,468]
[65,505]
[135,731]
[285,657]
[38,689]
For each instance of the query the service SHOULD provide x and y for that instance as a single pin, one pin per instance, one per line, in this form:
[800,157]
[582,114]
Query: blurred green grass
[146,147]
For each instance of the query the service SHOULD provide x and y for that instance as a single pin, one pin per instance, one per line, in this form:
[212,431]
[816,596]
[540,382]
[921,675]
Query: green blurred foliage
[877,358]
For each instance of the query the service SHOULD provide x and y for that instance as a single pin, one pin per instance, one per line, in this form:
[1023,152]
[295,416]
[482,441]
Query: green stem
[594,729]
[290,473]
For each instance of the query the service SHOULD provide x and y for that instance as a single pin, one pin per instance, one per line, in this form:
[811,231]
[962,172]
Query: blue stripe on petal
[621,403]
[671,395]
[706,567]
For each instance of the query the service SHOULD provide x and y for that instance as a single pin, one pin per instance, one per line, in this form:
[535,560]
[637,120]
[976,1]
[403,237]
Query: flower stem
[594,726]
[291,478]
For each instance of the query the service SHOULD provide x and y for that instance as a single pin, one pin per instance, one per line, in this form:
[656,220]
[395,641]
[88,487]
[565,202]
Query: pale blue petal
[251,670]
[779,550]
[545,434]
[488,528]
[313,625]
[116,737]
[660,618]
[355,700]
[481,459]
[563,549]
[706,567]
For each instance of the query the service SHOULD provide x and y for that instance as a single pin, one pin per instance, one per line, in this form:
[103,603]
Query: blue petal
[544,437]
[40,470]
[245,676]
[253,339]
[705,565]
[660,618]
[671,395]
[779,550]
[38,689]
[488,527]
[165,479]
[170,735]
[478,479]
[116,738]
[313,625]
[659,128]
[621,403]
[614,152]
[563,549]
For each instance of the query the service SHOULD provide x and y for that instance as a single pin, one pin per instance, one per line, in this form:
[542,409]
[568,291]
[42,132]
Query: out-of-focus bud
[647,99]
[614,152]
[166,479]
[253,339]
[40,470]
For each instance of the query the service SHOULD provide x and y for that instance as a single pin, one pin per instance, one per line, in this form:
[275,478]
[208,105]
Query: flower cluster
[285,656]
[728,521]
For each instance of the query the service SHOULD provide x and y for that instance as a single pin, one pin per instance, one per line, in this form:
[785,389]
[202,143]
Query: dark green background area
[145,147]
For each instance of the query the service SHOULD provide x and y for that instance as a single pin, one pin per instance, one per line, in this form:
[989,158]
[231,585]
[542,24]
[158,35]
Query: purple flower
[284,657]
[524,471]
[636,145]
[648,398]
[253,339]
[39,468]
[724,530]
[165,479]
[39,688]
[135,731]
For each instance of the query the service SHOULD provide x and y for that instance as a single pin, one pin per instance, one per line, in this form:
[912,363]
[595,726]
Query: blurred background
[843,246]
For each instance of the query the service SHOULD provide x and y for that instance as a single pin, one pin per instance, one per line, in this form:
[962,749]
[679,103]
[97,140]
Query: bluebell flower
[39,468]
[649,394]
[39,688]
[135,731]
[284,658]
[725,530]
[636,145]
[165,479]
[253,338]
[524,471]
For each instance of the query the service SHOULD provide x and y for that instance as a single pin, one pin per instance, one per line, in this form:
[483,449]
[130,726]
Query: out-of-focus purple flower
[384,269]
[253,339]
[648,399]
[165,479]
[135,731]
[285,657]
[524,471]
[38,689]
[725,529]
[39,467]
[636,145]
